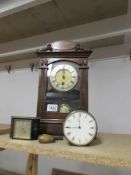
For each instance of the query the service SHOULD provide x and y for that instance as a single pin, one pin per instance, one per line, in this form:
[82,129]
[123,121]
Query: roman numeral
[73,138]
[90,134]
[74,116]
[72,82]
[68,133]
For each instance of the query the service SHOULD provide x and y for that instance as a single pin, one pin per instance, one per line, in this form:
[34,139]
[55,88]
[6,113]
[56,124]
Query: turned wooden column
[84,84]
[42,90]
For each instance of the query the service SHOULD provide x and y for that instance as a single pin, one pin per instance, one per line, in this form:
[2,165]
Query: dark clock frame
[47,57]
[34,130]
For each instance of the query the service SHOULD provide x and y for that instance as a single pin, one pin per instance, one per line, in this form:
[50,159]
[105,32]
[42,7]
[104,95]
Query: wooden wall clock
[63,83]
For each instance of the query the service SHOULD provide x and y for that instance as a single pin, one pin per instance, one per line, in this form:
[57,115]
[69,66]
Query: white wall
[109,102]
[110,94]
[18,94]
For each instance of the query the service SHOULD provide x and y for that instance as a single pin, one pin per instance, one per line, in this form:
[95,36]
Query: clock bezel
[56,69]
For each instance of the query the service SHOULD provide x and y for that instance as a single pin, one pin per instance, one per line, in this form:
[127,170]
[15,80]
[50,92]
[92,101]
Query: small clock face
[22,129]
[63,77]
[80,128]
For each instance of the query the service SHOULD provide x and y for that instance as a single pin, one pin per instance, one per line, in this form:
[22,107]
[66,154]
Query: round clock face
[80,128]
[63,77]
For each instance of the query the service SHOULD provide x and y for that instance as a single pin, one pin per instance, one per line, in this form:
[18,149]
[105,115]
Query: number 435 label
[52,107]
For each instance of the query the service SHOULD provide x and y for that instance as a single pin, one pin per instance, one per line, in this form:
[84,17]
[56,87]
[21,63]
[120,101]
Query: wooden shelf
[4,129]
[107,149]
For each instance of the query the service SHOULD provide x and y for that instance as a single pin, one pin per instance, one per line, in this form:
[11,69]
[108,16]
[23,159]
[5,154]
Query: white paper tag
[52,107]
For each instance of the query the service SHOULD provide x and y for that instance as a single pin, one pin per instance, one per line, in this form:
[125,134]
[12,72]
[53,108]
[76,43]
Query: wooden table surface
[4,129]
[107,149]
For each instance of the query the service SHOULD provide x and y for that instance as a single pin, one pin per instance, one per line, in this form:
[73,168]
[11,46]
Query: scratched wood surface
[4,129]
[107,149]
[4,172]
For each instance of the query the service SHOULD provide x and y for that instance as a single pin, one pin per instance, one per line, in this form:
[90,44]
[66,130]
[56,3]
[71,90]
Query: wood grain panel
[56,15]
[4,129]
[107,149]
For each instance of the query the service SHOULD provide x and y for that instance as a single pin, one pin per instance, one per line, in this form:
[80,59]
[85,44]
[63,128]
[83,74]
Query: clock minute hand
[79,123]
[63,71]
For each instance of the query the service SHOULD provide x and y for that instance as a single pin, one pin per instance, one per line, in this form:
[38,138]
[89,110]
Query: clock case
[52,122]
[35,123]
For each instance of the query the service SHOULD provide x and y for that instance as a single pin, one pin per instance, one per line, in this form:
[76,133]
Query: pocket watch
[63,77]
[80,128]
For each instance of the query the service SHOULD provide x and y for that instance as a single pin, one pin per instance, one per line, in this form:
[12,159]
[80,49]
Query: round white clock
[63,77]
[80,128]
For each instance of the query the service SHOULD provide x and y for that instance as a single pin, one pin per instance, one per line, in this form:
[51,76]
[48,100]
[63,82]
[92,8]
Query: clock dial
[80,128]
[63,77]
[22,129]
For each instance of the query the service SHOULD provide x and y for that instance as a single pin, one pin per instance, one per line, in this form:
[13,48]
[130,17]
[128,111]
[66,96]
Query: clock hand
[73,127]
[79,123]
[79,120]
[63,75]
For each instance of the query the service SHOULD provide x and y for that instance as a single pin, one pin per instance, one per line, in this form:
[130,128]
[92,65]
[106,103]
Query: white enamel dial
[80,128]
[63,77]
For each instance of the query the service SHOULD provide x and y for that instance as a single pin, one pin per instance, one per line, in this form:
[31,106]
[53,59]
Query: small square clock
[26,128]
